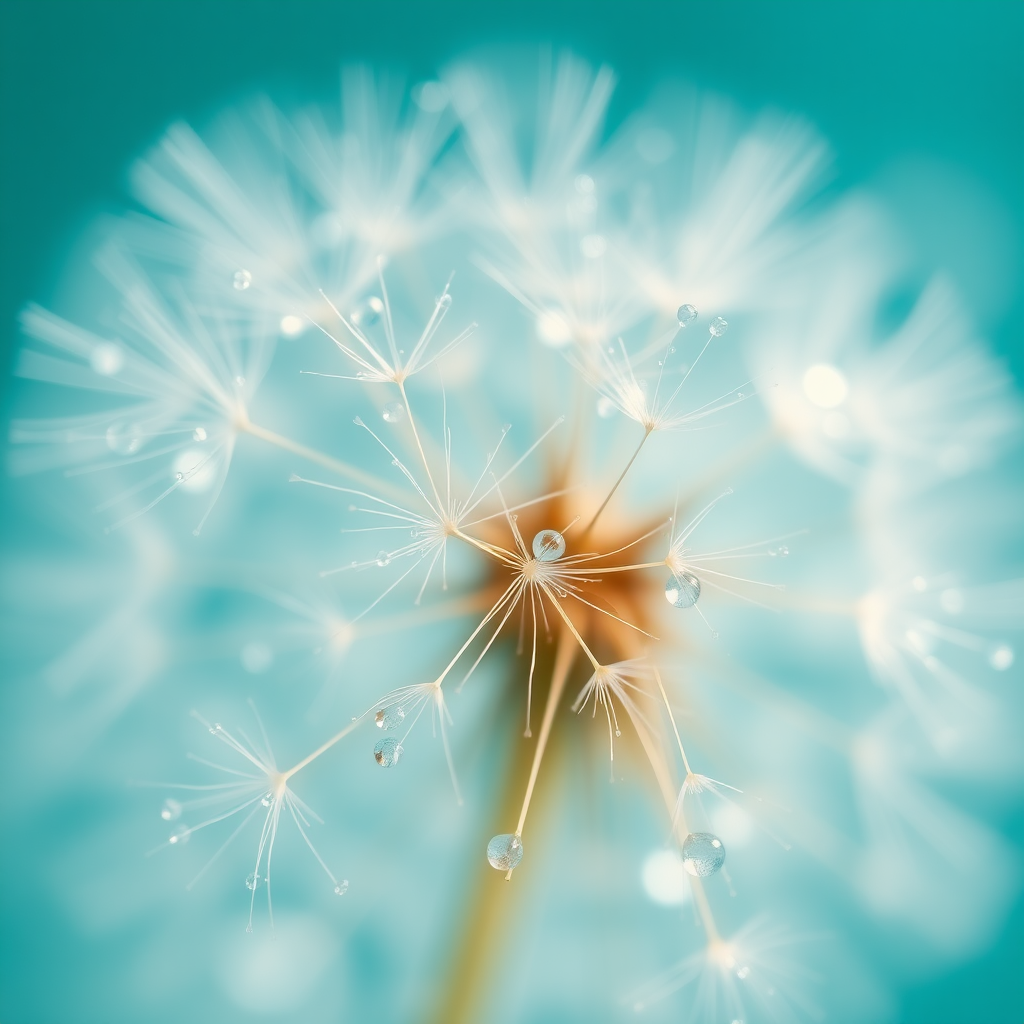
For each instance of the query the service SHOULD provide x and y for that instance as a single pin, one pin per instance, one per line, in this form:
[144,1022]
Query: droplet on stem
[252,881]
[179,837]
[718,326]
[390,717]
[387,751]
[505,851]
[171,810]
[241,280]
[703,854]
[686,314]
[382,559]
[548,545]
[341,888]
[682,589]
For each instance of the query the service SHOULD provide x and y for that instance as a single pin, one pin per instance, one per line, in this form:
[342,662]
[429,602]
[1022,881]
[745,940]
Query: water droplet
[445,301]
[718,326]
[783,550]
[252,881]
[504,852]
[341,888]
[1001,658]
[682,590]
[106,359]
[240,381]
[216,728]
[387,751]
[393,412]
[241,280]
[171,810]
[124,439]
[179,837]
[368,312]
[686,314]
[584,184]
[179,476]
[382,559]
[199,434]
[605,407]
[390,717]
[703,854]
[548,545]
[266,800]
[743,972]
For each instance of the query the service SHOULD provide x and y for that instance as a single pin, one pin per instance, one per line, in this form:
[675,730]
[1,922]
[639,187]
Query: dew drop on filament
[548,545]
[382,559]
[241,280]
[179,837]
[682,589]
[252,881]
[341,888]
[703,854]
[686,314]
[393,412]
[390,717]
[387,751]
[171,810]
[445,301]
[504,852]
[718,326]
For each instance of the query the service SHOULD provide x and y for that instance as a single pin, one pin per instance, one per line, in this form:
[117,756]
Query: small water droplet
[1001,658]
[390,717]
[171,810]
[445,301]
[743,972]
[341,888]
[393,412]
[682,589]
[686,314]
[199,434]
[548,545]
[605,407]
[179,476]
[216,728]
[387,751]
[267,799]
[179,837]
[703,854]
[252,881]
[504,852]
[241,280]
[718,326]
[383,558]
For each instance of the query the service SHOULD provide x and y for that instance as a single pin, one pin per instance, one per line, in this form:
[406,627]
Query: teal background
[87,86]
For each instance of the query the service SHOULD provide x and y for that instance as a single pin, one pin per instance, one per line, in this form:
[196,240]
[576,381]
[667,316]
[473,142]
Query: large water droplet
[390,717]
[548,545]
[686,314]
[718,326]
[393,412]
[241,280]
[171,810]
[252,881]
[382,559]
[682,589]
[387,751]
[703,854]
[504,852]
[341,888]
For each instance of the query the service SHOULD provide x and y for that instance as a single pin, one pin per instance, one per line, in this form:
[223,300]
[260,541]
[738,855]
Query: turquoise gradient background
[86,86]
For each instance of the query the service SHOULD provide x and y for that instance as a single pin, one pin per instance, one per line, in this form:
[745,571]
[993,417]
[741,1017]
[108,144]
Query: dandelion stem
[323,748]
[563,663]
[615,487]
[310,453]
